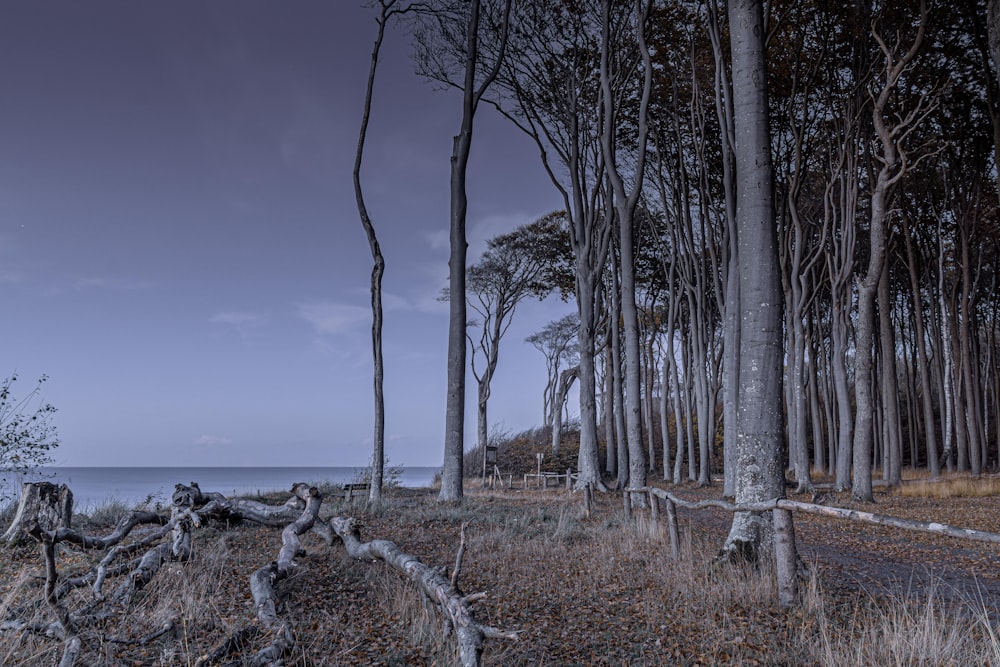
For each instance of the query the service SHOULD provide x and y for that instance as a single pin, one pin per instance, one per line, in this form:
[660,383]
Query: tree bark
[378,265]
[454,445]
[49,505]
[760,433]
[435,585]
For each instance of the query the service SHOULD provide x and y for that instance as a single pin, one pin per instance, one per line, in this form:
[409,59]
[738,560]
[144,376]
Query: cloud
[437,239]
[212,441]
[112,284]
[240,320]
[478,232]
[334,318]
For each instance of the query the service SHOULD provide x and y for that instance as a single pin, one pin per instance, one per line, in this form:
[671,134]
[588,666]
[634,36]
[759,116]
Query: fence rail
[787,587]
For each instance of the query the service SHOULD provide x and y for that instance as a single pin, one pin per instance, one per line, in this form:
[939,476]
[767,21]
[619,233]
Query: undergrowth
[595,591]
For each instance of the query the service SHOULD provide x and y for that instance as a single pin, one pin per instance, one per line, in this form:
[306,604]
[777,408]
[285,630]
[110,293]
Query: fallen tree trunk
[932,527]
[191,507]
[262,583]
[263,580]
[430,581]
[217,506]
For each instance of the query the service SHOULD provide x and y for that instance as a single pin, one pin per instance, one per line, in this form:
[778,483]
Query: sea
[93,486]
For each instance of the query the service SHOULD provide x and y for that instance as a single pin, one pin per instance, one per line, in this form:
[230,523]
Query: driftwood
[49,505]
[137,562]
[262,584]
[217,506]
[170,540]
[435,585]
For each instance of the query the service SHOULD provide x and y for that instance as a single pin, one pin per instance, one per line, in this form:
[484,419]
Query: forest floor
[581,591]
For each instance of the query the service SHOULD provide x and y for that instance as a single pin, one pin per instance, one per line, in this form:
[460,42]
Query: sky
[180,248]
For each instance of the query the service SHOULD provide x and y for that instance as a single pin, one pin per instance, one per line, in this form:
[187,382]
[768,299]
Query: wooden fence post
[654,508]
[628,506]
[672,528]
[785,558]
[588,494]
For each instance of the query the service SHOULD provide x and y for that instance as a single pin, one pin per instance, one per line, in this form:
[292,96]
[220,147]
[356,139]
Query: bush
[26,433]
[391,475]
[516,454]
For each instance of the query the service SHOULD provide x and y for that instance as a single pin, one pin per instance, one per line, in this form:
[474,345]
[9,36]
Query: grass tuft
[952,487]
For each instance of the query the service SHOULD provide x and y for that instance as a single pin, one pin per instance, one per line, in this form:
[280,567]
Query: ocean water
[95,486]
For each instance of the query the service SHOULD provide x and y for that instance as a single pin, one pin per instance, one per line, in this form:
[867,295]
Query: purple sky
[180,249]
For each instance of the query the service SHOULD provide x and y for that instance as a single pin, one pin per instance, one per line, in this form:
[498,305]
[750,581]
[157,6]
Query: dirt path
[850,556]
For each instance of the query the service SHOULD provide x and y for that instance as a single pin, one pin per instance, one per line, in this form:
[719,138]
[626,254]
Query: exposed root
[431,581]
[170,542]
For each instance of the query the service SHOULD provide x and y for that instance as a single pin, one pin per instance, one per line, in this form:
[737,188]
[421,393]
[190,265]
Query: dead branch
[262,583]
[64,628]
[835,512]
[430,581]
[222,508]
[459,556]
[170,542]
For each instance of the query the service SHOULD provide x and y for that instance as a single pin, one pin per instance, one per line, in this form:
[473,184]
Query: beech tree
[550,88]
[617,68]
[557,342]
[527,262]
[387,10]
[891,131]
[759,473]
[451,28]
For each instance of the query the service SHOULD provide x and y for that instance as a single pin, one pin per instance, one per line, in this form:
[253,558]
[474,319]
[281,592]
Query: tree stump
[48,504]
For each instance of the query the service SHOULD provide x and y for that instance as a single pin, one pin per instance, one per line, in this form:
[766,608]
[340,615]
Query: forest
[879,220]
[779,228]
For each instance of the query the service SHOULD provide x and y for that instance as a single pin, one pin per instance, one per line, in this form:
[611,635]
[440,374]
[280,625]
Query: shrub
[516,454]
[26,433]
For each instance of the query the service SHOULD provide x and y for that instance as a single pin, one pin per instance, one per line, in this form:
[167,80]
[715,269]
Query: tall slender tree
[759,473]
[387,9]
[441,38]
[527,262]
[626,197]
[893,164]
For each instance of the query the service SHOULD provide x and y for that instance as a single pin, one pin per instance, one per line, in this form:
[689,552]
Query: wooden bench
[351,487]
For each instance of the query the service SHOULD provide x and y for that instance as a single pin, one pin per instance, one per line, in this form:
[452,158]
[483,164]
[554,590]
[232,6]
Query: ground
[580,591]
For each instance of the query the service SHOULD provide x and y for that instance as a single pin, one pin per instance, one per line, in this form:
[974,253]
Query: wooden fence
[782,508]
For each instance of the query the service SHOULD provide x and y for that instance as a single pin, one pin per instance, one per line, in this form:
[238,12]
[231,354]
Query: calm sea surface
[94,486]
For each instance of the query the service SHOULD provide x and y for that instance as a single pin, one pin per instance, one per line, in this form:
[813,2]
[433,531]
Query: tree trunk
[618,381]
[565,382]
[893,167]
[731,317]
[378,269]
[760,432]
[610,451]
[893,463]
[919,342]
[625,203]
[454,444]
[588,462]
[49,505]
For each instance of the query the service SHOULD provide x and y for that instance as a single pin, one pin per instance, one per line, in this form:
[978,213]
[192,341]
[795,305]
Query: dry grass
[582,592]
[957,486]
